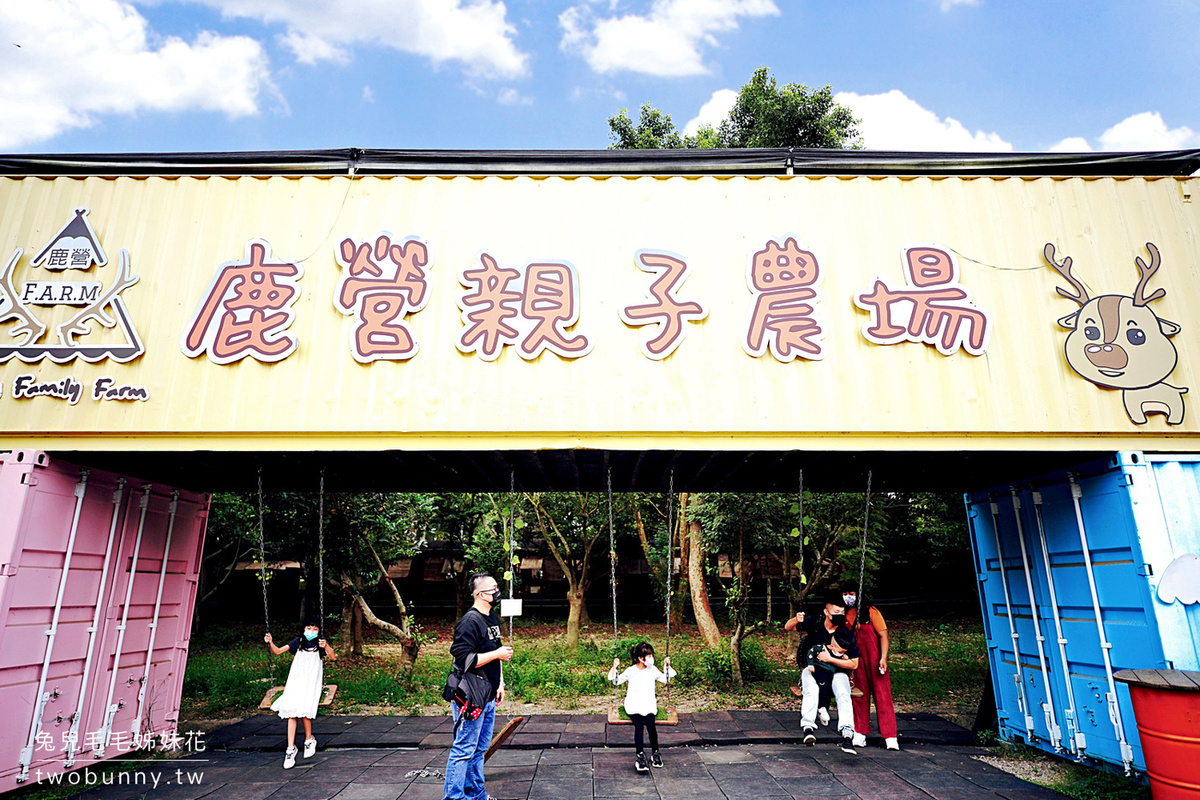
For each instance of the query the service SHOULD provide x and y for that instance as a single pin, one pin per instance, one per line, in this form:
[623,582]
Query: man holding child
[829,656]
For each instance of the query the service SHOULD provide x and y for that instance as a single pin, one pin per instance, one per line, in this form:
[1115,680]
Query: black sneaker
[848,745]
[640,763]
[656,760]
[810,736]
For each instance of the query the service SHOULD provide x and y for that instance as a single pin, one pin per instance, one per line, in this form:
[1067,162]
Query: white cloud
[1147,131]
[947,5]
[475,33]
[511,97]
[1072,144]
[81,59]
[713,112]
[368,95]
[666,42]
[892,121]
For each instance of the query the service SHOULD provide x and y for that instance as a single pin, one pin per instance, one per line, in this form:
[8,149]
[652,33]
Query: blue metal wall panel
[1137,516]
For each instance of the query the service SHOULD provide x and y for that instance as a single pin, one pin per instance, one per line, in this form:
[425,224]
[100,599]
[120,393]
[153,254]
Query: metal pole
[135,729]
[73,737]
[43,697]
[1022,701]
[1114,709]
[1075,735]
[1048,706]
[110,712]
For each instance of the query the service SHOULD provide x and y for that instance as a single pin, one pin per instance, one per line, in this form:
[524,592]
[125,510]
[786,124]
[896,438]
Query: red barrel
[1166,703]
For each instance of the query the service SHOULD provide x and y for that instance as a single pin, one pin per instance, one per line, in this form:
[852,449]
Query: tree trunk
[679,598]
[700,606]
[356,631]
[574,617]
[735,653]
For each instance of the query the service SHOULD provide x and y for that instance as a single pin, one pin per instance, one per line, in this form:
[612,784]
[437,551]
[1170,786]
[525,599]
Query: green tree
[767,115]
[747,526]
[764,115]
[363,533]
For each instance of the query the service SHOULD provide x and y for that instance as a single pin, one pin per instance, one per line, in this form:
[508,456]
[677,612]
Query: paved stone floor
[244,761]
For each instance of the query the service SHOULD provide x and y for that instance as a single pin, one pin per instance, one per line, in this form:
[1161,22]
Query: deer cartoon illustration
[1118,342]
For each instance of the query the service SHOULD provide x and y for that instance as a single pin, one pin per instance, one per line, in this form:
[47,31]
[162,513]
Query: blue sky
[989,75]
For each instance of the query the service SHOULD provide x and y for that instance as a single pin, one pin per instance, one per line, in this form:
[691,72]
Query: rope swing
[329,689]
[614,712]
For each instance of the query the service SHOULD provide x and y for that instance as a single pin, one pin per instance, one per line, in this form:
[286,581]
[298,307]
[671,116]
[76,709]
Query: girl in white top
[640,702]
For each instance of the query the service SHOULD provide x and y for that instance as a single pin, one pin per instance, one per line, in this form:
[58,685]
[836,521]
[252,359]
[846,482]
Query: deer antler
[76,325]
[1145,273]
[30,325]
[1064,269]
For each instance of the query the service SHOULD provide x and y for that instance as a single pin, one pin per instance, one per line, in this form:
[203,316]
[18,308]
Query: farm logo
[1117,342]
[67,306]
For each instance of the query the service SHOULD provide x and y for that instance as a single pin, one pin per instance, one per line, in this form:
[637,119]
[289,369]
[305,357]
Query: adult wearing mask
[477,646]
[820,631]
[872,675]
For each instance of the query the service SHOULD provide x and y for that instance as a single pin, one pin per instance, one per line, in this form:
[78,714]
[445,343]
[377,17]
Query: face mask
[494,597]
[849,600]
[310,635]
[648,661]
[837,619]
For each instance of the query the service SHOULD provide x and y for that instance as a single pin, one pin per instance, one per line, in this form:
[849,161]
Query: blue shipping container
[1082,574]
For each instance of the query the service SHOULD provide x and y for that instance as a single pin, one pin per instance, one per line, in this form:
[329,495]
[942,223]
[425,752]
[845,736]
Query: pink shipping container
[95,621]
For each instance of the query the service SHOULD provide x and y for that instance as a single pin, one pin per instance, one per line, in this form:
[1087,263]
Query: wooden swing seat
[798,694]
[501,737]
[668,715]
[330,689]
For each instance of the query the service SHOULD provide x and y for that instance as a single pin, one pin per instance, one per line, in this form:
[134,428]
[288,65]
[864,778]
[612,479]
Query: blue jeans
[464,767]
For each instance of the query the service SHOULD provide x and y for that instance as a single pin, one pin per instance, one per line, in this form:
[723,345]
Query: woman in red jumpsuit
[872,675]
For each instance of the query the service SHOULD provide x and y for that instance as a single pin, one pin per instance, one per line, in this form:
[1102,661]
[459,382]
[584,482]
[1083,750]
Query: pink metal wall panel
[38,498]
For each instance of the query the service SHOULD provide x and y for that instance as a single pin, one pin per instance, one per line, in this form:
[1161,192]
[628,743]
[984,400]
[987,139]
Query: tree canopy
[764,115]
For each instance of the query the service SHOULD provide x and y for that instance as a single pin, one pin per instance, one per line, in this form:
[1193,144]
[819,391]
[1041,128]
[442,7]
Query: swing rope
[512,554]
[262,569]
[612,576]
[670,570]
[321,551]
[800,528]
[862,567]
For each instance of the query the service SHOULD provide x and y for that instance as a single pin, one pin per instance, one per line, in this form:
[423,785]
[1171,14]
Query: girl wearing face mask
[640,702]
[302,692]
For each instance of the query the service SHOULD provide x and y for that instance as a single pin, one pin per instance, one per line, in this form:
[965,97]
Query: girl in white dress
[641,704]
[302,692]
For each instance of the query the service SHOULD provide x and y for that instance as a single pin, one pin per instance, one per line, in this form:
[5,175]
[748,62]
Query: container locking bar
[111,708]
[35,726]
[1048,705]
[1114,710]
[1022,701]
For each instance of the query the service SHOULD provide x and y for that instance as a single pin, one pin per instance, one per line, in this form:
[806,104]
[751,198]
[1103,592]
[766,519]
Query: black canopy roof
[750,161]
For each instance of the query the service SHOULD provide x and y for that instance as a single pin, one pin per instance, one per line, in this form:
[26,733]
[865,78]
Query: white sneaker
[891,744]
[310,747]
[860,740]
[823,716]
[289,758]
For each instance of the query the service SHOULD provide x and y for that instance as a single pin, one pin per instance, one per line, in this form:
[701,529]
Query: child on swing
[302,692]
[641,704]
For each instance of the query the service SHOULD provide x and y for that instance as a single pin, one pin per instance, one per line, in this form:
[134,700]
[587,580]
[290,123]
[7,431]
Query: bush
[717,663]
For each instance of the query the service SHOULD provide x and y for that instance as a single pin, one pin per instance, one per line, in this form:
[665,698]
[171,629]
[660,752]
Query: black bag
[467,689]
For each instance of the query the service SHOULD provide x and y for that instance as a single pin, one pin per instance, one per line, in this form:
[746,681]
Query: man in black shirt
[477,647]
[820,632]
